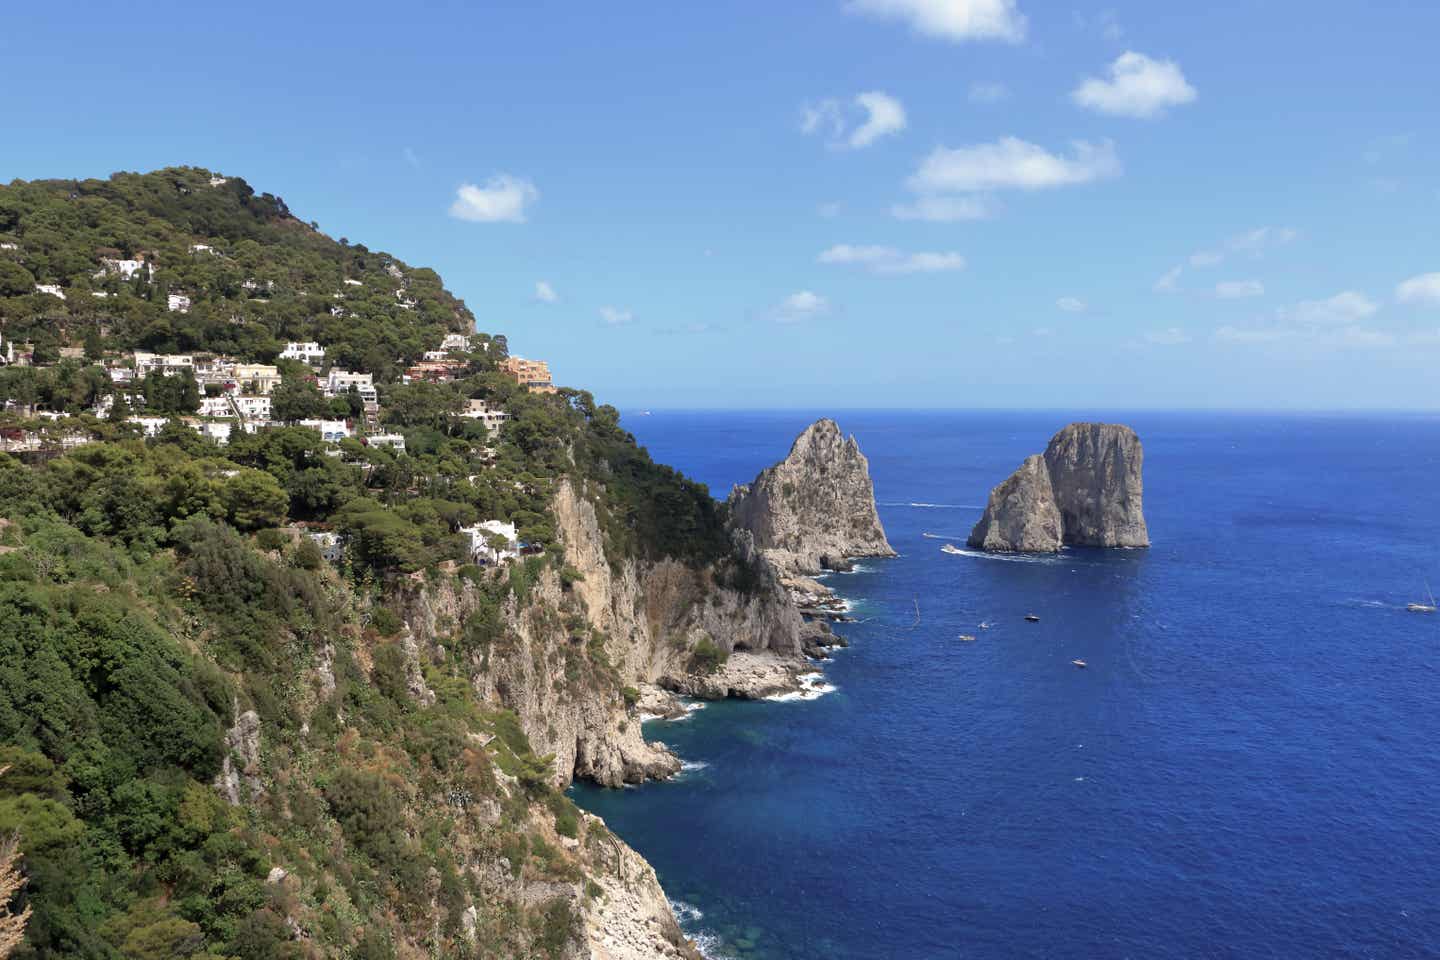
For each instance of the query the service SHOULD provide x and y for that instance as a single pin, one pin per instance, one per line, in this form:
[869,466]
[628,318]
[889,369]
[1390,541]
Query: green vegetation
[159,598]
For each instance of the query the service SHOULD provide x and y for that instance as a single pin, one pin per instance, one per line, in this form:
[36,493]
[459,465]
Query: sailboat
[1423,607]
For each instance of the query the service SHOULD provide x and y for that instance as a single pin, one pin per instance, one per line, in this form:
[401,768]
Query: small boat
[1423,607]
[1031,618]
[967,637]
[951,548]
[985,624]
[1080,663]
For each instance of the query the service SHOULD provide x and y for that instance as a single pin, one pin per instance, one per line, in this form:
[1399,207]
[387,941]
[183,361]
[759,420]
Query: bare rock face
[1095,471]
[1085,491]
[815,509]
[1021,514]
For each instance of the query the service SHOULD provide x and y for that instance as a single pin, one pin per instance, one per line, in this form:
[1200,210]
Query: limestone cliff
[814,510]
[1085,490]
[1095,470]
[1021,514]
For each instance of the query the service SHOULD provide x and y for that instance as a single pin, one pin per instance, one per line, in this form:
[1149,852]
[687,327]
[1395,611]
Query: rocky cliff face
[1095,470]
[1021,514]
[1085,490]
[815,509]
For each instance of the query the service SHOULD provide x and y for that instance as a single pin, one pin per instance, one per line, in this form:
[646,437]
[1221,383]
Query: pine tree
[12,881]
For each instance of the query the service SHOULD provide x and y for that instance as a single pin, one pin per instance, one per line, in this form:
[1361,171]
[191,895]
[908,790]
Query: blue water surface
[1249,767]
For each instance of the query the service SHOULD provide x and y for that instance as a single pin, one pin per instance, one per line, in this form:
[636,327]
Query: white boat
[1080,663]
[951,548]
[1423,607]
[967,637]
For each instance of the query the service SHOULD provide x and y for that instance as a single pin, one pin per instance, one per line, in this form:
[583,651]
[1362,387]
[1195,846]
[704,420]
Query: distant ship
[1423,607]
[951,548]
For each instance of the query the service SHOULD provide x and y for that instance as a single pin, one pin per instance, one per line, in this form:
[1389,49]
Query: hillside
[310,682]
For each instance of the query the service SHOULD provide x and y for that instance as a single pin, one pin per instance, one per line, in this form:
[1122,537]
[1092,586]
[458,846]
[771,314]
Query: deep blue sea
[1249,767]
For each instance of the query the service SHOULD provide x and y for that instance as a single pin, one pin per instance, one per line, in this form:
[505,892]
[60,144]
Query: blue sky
[826,203]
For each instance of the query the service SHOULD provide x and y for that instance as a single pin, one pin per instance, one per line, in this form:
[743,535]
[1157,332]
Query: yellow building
[264,376]
[533,375]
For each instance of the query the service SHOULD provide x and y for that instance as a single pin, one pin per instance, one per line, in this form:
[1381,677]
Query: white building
[125,268]
[264,377]
[493,541]
[201,248]
[178,303]
[167,363]
[9,246]
[331,431]
[455,341]
[252,408]
[51,288]
[493,417]
[353,283]
[332,548]
[394,441]
[219,431]
[340,381]
[150,425]
[7,351]
[435,356]
[216,407]
[216,181]
[307,352]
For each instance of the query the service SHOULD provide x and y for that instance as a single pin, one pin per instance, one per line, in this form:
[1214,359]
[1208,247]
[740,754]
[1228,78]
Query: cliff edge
[814,510]
[1086,490]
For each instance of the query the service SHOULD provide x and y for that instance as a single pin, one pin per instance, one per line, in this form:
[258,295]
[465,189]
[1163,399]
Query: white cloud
[1345,307]
[1169,337]
[829,210]
[957,20]
[1424,289]
[1138,87]
[503,199]
[800,306]
[1071,304]
[545,293]
[878,259]
[884,115]
[1043,332]
[1206,258]
[615,317]
[943,209]
[1169,281]
[1256,242]
[1013,164]
[988,92]
[1239,289]
[1228,334]
[875,114]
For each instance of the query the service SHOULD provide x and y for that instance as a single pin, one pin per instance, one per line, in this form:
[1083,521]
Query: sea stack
[814,510]
[1085,491]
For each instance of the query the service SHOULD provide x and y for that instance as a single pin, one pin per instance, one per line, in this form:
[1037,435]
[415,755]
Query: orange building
[534,375]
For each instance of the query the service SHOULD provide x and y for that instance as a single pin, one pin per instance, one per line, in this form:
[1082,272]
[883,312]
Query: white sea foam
[922,505]
[685,912]
[812,687]
[944,536]
[1010,557]
[690,766]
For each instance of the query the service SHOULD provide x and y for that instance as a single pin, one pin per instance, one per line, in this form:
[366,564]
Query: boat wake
[920,505]
[1007,557]
[943,536]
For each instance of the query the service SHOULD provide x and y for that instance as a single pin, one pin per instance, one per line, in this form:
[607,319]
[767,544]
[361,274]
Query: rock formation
[1085,490]
[814,510]
[1021,514]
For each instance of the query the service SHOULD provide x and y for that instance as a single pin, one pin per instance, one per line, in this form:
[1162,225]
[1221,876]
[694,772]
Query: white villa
[454,341]
[125,268]
[252,408]
[394,441]
[307,352]
[167,363]
[332,431]
[264,376]
[493,417]
[340,381]
[215,407]
[7,351]
[51,288]
[481,535]
[178,303]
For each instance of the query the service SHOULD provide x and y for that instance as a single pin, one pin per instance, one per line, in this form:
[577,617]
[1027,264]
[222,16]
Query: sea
[1247,767]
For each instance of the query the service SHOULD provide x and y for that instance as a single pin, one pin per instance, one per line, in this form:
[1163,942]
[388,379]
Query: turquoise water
[1246,769]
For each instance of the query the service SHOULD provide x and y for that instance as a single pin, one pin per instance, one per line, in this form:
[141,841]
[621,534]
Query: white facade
[493,417]
[125,268]
[340,381]
[178,303]
[215,407]
[51,288]
[331,431]
[307,352]
[217,431]
[151,425]
[455,341]
[7,351]
[201,248]
[253,408]
[394,441]
[480,546]
[264,376]
[167,363]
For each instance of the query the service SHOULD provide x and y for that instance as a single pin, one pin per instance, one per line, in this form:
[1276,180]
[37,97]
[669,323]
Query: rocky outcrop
[1085,490]
[814,510]
[1095,470]
[1021,514]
